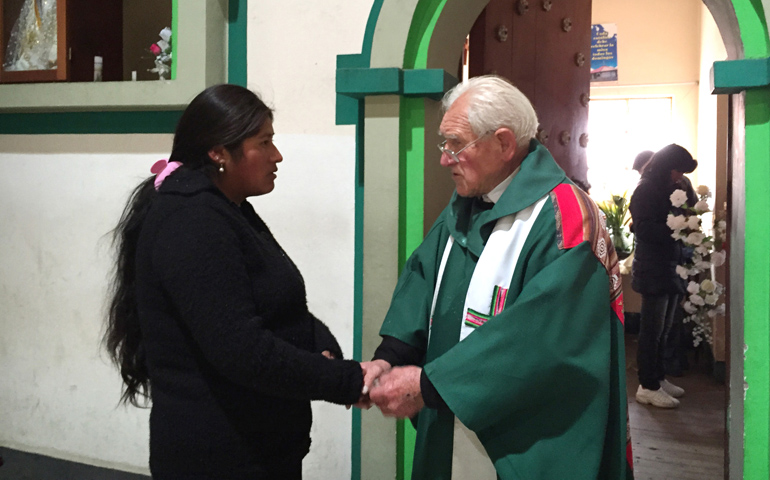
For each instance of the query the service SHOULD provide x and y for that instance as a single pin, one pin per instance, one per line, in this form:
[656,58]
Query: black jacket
[231,348]
[657,254]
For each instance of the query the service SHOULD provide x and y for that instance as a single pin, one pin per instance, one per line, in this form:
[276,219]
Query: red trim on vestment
[571,215]
[617,307]
[629,456]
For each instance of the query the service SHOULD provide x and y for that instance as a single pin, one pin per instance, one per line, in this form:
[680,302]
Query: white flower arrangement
[703,301]
[701,207]
[677,222]
[712,299]
[163,55]
[697,300]
[682,271]
[695,238]
[678,198]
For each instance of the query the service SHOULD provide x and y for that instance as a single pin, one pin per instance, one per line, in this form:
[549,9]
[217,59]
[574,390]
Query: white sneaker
[673,390]
[656,398]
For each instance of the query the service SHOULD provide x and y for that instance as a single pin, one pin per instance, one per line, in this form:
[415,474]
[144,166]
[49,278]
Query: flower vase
[619,242]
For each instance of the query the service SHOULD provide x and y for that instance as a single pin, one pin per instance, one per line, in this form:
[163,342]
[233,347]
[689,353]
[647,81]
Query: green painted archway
[389,92]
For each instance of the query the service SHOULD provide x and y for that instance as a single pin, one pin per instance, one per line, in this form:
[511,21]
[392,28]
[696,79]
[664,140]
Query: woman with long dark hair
[208,317]
[654,273]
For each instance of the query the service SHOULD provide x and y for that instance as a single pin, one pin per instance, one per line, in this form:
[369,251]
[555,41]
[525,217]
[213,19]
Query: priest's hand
[397,392]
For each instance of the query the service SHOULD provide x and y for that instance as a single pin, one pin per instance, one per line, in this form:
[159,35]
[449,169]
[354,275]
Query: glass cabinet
[83,40]
[33,40]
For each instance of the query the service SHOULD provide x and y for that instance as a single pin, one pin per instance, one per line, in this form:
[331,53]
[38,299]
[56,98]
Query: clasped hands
[395,391]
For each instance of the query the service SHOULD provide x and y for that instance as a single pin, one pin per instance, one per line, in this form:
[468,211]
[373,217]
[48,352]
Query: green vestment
[542,383]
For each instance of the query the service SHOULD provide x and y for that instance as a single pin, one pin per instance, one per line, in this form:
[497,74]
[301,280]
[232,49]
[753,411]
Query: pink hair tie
[162,169]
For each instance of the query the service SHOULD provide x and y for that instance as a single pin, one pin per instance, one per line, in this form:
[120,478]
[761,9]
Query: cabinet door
[544,48]
[95,28]
[33,41]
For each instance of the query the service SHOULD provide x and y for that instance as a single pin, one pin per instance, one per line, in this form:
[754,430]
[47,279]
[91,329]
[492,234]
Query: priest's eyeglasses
[454,155]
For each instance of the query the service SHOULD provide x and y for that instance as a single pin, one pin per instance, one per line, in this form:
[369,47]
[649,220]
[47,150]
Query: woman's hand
[372,370]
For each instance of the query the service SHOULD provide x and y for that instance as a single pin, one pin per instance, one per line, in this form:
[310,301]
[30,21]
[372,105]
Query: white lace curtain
[32,45]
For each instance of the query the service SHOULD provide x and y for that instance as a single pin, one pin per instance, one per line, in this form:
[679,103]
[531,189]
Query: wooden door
[544,48]
[95,28]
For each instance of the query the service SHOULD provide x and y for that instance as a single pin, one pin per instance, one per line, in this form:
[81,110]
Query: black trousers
[654,325]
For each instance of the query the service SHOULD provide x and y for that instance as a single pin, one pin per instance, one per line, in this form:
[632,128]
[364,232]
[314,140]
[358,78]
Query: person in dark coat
[208,317]
[642,160]
[675,358]
[654,270]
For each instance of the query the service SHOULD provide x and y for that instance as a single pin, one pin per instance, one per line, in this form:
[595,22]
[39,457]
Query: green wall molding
[360,82]
[154,120]
[354,84]
[348,107]
[734,76]
[430,83]
[237,25]
[89,122]
[350,111]
[413,83]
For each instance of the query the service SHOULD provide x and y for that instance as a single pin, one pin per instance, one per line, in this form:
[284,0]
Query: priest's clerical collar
[497,192]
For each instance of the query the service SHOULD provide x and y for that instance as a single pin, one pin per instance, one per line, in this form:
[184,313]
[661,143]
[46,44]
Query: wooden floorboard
[686,443]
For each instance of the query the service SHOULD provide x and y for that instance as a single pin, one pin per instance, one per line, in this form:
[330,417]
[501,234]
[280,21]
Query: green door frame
[414,83]
[750,79]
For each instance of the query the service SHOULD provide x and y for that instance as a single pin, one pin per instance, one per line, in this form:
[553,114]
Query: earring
[222,168]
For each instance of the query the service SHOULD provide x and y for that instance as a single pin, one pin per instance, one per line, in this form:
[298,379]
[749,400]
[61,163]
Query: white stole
[485,298]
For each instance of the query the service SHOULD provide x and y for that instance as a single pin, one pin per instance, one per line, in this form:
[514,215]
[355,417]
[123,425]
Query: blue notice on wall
[604,52]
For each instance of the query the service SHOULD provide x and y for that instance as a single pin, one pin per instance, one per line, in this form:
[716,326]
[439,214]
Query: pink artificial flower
[162,169]
[155,49]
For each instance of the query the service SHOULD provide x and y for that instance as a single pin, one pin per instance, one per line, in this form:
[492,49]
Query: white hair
[493,102]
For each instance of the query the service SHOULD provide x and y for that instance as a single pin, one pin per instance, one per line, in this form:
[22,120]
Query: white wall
[61,194]
[658,56]
[712,150]
[292,50]
[667,48]
[712,49]
[658,40]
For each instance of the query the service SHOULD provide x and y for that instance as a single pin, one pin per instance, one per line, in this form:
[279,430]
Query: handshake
[395,391]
